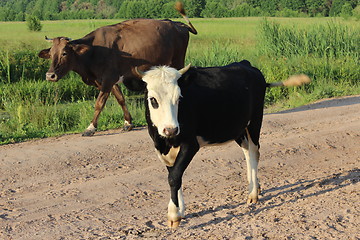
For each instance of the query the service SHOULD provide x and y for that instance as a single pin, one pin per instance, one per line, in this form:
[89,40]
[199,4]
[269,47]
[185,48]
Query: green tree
[194,7]
[136,9]
[296,5]
[269,7]
[215,9]
[346,10]
[245,10]
[336,7]
[155,8]
[19,16]
[122,11]
[169,10]
[314,6]
[103,10]
[3,13]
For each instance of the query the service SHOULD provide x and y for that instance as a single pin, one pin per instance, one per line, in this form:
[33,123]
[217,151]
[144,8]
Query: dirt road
[112,186]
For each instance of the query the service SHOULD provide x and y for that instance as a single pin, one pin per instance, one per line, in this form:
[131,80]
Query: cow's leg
[176,207]
[252,154]
[99,106]
[116,91]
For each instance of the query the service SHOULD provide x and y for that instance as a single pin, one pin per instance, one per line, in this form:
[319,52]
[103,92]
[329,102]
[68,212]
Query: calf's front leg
[176,207]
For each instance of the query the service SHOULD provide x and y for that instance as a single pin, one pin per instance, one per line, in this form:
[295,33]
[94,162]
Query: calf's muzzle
[51,76]
[171,132]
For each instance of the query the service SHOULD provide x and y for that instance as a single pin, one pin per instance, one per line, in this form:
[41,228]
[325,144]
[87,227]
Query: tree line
[18,10]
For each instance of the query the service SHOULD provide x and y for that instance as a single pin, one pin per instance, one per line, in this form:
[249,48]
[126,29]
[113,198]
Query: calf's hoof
[88,133]
[252,199]
[174,223]
[128,126]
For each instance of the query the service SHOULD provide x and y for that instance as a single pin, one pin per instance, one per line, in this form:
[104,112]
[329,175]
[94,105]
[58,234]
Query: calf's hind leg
[252,154]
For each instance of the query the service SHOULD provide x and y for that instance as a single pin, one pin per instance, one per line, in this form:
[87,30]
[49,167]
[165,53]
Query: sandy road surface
[112,186]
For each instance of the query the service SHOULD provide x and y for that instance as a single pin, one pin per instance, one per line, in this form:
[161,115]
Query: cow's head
[63,54]
[163,95]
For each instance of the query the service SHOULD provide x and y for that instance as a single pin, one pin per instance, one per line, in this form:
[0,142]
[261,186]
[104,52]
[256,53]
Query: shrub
[356,12]
[346,11]
[33,23]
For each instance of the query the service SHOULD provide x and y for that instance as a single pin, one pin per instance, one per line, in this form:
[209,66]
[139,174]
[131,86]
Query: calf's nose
[171,132]
[51,76]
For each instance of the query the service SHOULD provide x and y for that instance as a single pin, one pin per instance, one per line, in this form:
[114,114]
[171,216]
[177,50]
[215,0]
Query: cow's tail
[294,80]
[179,6]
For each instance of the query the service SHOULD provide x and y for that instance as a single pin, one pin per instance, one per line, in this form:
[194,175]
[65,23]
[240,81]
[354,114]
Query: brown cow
[108,56]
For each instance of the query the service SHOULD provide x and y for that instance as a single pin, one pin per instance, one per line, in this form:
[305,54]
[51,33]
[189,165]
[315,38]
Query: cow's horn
[185,69]
[48,39]
[140,73]
[66,38]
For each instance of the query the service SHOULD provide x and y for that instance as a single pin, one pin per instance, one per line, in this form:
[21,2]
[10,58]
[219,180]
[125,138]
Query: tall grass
[330,40]
[329,53]
[43,112]
[31,107]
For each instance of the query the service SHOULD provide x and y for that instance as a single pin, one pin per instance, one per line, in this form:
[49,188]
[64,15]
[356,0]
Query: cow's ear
[80,49]
[45,53]
[185,79]
[134,84]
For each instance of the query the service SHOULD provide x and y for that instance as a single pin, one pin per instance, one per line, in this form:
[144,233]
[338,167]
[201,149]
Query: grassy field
[325,49]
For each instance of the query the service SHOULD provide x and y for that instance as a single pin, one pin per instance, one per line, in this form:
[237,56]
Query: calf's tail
[179,6]
[294,80]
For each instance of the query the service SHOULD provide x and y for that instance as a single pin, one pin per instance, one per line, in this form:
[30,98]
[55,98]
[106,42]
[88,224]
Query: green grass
[325,49]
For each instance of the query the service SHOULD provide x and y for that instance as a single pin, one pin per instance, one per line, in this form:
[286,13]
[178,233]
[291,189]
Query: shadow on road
[316,187]
[334,102]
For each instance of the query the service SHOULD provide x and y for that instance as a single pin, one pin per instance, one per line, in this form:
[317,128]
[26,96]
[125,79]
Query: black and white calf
[193,107]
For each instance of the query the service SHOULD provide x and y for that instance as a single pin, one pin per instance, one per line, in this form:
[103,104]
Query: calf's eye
[154,103]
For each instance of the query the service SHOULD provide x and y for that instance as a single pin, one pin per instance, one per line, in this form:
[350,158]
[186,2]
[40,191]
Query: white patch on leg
[181,203]
[173,212]
[251,152]
[91,127]
[245,148]
[170,158]
[126,123]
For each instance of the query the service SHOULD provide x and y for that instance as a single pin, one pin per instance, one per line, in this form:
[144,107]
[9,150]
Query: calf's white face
[163,98]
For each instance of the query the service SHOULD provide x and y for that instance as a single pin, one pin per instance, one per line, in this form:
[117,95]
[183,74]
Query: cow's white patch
[165,92]
[169,159]
[91,127]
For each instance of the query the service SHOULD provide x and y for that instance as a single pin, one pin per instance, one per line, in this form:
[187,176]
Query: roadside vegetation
[30,107]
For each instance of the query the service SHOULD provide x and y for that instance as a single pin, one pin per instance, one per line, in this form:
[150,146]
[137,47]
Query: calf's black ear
[187,77]
[45,53]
